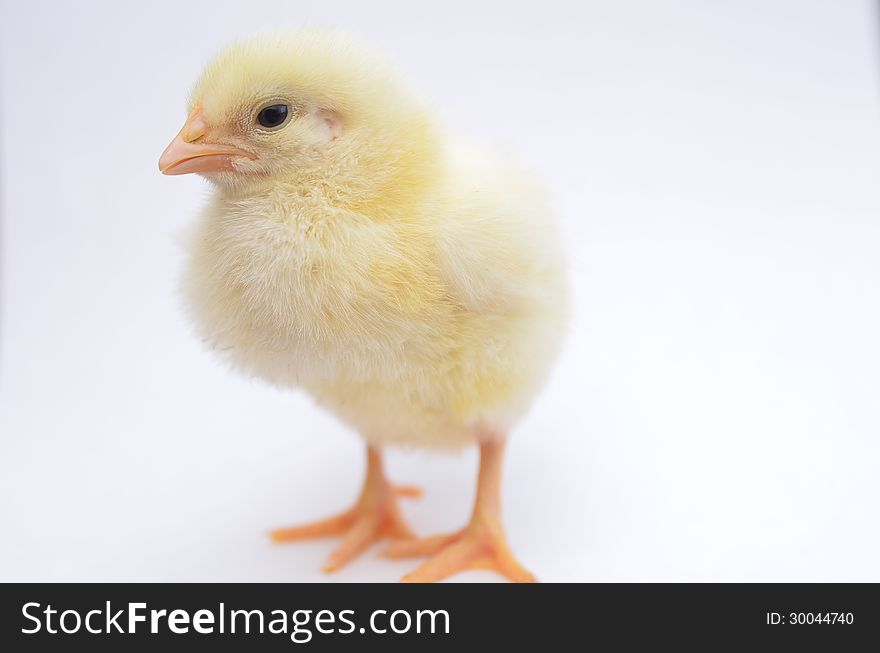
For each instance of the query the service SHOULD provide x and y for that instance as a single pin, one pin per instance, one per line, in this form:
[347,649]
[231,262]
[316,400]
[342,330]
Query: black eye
[272,116]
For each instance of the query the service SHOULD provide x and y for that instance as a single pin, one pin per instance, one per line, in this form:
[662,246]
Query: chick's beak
[190,150]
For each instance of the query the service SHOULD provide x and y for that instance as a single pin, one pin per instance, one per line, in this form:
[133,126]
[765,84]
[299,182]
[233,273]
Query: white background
[714,416]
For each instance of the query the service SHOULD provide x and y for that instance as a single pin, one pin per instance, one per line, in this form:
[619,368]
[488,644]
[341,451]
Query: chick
[413,286]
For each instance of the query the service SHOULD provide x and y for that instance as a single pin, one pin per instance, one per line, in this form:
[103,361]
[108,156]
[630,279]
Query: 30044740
[809,618]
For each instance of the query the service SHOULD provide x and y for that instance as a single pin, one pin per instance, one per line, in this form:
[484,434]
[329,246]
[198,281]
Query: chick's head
[301,106]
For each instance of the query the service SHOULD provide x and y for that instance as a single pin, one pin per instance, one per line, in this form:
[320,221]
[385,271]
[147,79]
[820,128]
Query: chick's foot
[480,545]
[475,547]
[375,516]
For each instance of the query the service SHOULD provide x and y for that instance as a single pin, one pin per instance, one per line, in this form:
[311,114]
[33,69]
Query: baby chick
[412,286]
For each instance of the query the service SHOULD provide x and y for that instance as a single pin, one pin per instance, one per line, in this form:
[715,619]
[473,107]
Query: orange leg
[479,545]
[374,516]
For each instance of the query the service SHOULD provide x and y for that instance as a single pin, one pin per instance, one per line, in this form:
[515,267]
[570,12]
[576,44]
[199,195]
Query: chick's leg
[479,545]
[374,516]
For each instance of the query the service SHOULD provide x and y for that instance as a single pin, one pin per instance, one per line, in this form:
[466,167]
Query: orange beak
[189,153]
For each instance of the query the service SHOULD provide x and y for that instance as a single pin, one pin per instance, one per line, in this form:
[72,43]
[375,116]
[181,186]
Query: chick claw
[475,547]
[375,516]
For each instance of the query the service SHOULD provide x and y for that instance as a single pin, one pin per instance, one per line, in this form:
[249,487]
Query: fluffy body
[412,286]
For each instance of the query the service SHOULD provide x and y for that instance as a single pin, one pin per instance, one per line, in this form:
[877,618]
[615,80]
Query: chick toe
[374,517]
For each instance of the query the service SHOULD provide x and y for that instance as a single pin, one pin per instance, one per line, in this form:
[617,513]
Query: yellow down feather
[413,286]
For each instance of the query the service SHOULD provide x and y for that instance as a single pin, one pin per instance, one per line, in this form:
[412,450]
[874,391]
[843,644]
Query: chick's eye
[273,116]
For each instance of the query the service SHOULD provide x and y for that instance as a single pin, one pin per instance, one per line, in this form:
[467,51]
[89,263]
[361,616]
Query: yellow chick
[412,286]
